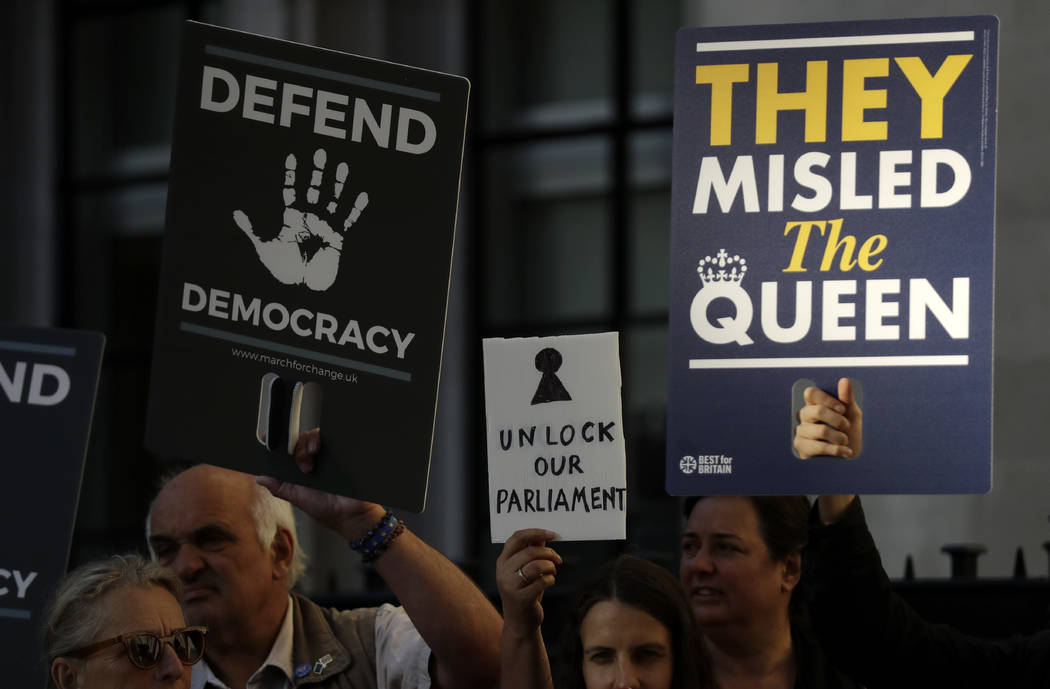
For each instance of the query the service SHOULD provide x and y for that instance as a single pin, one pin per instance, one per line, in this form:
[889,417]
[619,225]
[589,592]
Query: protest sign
[833,216]
[555,436]
[48,381]
[307,252]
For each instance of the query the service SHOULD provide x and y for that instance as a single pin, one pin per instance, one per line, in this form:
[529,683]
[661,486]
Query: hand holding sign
[524,570]
[349,517]
[307,249]
[829,425]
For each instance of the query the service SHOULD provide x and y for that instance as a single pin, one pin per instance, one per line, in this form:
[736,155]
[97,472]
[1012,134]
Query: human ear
[64,673]
[791,571]
[283,552]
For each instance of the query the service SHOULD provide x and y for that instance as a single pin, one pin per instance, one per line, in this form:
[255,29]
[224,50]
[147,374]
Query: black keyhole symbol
[550,389]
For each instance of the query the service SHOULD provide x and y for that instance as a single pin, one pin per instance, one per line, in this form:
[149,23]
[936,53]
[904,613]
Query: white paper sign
[555,436]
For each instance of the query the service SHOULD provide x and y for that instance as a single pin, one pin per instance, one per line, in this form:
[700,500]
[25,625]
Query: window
[571,159]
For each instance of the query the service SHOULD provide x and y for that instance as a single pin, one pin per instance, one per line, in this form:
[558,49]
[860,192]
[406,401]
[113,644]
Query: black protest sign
[308,244]
[48,380]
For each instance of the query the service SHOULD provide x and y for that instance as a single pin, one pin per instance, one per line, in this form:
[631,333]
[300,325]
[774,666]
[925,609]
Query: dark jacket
[870,632]
[814,670]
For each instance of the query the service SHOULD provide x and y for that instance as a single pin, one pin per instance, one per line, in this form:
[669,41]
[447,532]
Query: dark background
[563,228]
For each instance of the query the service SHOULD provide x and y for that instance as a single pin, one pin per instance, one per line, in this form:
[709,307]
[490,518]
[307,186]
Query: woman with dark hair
[629,625]
[741,568]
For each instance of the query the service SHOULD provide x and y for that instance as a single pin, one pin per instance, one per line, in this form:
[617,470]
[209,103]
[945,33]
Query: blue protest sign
[833,216]
[48,380]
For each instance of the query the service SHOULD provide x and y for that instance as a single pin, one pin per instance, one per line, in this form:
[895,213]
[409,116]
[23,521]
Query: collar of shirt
[280,659]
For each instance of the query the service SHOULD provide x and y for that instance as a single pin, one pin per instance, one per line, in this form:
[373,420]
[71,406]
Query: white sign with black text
[555,436]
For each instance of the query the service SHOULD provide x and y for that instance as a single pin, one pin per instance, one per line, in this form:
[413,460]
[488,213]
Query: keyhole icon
[550,389]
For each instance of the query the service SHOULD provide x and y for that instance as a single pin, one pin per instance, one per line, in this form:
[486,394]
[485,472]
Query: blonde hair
[74,616]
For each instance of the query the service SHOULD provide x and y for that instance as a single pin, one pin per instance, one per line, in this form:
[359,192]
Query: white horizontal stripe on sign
[833,361]
[836,41]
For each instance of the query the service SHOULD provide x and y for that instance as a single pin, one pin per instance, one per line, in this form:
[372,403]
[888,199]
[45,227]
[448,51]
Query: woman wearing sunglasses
[116,623]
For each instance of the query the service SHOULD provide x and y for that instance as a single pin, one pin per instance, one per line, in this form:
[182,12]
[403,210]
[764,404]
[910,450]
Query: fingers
[277,488]
[533,553]
[359,207]
[814,395]
[821,432]
[320,160]
[289,180]
[829,426]
[306,449]
[318,504]
[526,537]
[341,173]
[534,571]
[816,413]
[527,572]
[812,439]
[813,448]
[526,550]
[313,192]
[245,225]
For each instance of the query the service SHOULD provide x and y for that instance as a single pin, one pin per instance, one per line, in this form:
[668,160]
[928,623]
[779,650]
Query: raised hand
[349,517]
[524,570]
[307,248]
[829,425]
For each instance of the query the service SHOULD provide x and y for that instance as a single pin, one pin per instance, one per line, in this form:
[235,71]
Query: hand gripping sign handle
[304,412]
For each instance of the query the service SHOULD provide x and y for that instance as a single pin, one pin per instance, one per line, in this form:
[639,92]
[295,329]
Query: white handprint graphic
[307,249]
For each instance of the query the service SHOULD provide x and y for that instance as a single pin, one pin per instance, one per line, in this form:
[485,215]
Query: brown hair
[653,590]
[783,520]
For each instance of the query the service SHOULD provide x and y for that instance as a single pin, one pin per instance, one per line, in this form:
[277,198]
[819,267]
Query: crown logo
[721,269]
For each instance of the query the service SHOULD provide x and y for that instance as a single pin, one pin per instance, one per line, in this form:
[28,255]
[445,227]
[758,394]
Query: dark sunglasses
[145,649]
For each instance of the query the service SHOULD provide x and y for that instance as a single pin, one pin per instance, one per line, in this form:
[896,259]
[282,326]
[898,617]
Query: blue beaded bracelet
[379,537]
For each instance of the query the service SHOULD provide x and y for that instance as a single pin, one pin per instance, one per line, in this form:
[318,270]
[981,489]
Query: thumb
[245,225]
[845,391]
[300,496]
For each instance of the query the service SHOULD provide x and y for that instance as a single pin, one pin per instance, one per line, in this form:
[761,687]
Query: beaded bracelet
[384,544]
[379,537]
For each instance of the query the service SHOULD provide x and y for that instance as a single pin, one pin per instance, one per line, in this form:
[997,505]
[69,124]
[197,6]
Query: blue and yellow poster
[832,255]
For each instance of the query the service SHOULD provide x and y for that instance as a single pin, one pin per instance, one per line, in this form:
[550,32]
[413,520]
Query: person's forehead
[139,609]
[724,514]
[615,624]
[201,497]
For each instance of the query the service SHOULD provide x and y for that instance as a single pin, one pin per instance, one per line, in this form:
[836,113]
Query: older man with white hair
[234,547]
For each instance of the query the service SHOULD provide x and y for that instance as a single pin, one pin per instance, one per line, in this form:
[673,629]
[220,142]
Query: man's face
[201,526]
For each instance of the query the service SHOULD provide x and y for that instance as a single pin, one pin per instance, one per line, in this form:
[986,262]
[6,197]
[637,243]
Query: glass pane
[546,63]
[119,471]
[132,210]
[123,91]
[645,376]
[653,26]
[653,522]
[100,220]
[547,250]
[649,234]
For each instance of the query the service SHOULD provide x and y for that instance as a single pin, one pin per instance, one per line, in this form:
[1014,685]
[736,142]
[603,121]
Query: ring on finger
[521,573]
